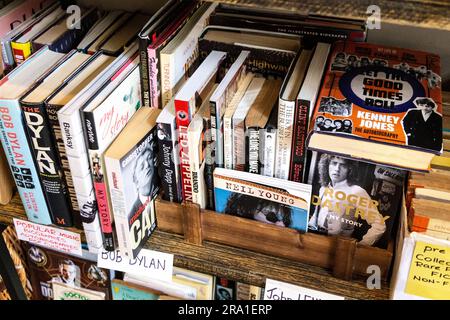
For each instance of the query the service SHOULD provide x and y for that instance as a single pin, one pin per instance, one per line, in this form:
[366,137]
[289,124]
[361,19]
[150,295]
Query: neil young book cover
[48,266]
[354,199]
[385,94]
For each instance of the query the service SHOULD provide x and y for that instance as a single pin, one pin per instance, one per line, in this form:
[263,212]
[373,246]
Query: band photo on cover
[335,107]
[329,125]
[346,62]
[353,199]
[423,125]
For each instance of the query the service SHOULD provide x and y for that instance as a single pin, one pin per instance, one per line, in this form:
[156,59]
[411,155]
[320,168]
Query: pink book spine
[22,12]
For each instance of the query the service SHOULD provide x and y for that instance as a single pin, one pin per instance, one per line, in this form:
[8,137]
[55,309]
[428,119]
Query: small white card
[49,237]
[148,263]
[277,290]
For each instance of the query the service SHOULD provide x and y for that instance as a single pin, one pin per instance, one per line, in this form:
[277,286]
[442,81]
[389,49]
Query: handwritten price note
[429,274]
[49,237]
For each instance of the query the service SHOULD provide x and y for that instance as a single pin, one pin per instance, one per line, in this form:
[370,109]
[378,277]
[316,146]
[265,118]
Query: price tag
[49,237]
[277,290]
[148,263]
[429,274]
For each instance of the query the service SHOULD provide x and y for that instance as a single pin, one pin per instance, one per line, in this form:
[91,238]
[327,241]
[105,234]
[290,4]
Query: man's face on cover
[144,172]
[68,273]
[338,170]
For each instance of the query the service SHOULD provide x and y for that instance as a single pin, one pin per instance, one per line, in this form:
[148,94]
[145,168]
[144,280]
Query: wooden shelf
[421,13]
[254,268]
[238,264]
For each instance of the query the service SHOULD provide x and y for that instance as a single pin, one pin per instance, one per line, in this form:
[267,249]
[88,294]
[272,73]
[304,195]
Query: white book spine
[268,152]
[198,189]
[72,134]
[286,113]
[228,142]
[117,196]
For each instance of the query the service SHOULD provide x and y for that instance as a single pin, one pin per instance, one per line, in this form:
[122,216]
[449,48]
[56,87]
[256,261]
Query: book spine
[209,167]
[99,184]
[52,112]
[284,140]
[213,116]
[20,159]
[48,163]
[116,190]
[228,142]
[195,164]
[252,150]
[300,131]
[154,78]
[77,156]
[238,145]
[182,107]
[167,76]
[167,169]
[144,68]
[268,149]
[21,51]
[7,55]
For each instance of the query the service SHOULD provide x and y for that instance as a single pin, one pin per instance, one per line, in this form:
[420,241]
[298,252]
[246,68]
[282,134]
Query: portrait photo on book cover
[140,176]
[329,125]
[354,199]
[423,125]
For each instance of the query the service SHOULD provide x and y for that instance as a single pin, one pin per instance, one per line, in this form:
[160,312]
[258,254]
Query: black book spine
[144,70]
[48,163]
[300,130]
[252,151]
[210,165]
[91,133]
[52,111]
[167,164]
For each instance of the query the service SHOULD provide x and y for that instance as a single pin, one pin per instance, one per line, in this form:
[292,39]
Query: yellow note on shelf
[429,274]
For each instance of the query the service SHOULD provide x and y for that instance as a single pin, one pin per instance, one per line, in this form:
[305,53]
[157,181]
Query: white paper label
[276,290]
[148,263]
[49,237]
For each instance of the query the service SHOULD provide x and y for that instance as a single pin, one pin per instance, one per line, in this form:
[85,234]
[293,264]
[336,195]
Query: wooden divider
[344,256]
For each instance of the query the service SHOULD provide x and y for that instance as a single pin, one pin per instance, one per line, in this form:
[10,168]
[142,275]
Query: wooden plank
[344,258]
[192,224]
[254,268]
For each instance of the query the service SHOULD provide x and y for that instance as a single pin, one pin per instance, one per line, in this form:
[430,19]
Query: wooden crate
[342,255]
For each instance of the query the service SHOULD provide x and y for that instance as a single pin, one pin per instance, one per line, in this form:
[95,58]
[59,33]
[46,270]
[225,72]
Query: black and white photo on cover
[353,199]
[141,178]
[329,125]
[335,107]
[423,125]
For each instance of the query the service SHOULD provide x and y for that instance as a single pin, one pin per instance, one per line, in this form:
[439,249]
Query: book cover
[381,100]
[47,267]
[102,125]
[122,290]
[269,200]
[62,291]
[133,185]
[354,199]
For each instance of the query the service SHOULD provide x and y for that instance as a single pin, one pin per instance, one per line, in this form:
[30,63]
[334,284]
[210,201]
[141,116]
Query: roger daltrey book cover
[354,199]
[377,102]
[270,200]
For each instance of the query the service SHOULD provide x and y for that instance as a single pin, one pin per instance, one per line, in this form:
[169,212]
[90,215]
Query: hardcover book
[41,139]
[62,291]
[380,104]
[269,200]
[104,118]
[354,199]
[131,164]
[48,267]
[13,134]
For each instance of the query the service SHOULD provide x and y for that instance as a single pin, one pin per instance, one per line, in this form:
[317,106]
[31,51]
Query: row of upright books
[287,119]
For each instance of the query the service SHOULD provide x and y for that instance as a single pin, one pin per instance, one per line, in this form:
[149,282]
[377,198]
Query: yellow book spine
[21,51]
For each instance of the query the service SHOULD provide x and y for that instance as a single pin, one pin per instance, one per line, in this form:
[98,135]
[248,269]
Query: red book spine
[298,153]
[183,118]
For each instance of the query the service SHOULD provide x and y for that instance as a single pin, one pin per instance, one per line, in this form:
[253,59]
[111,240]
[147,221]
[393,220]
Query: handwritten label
[429,274]
[276,290]
[148,263]
[49,237]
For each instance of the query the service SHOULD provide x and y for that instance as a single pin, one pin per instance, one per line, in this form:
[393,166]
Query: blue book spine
[21,163]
